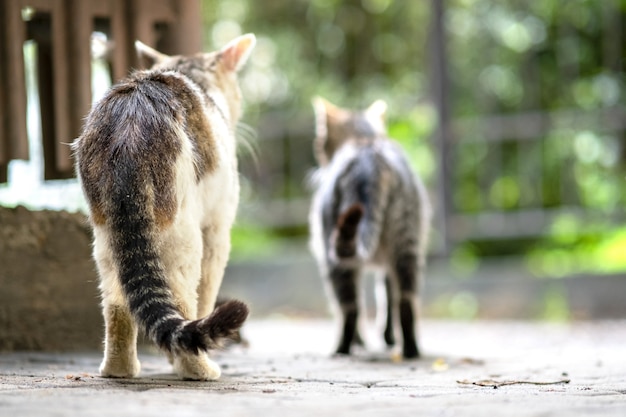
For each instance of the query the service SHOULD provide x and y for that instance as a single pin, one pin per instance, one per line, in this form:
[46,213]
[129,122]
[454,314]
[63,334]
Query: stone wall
[48,284]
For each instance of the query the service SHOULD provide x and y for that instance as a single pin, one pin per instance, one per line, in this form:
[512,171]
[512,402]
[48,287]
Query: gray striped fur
[369,209]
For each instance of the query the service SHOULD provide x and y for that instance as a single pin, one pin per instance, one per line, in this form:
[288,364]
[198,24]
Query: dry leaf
[440,364]
[471,361]
[396,357]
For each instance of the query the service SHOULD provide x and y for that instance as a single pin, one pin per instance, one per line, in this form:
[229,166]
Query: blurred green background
[537,117]
[512,111]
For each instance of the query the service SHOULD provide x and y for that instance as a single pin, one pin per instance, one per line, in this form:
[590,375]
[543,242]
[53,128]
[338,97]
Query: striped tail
[347,228]
[358,228]
[143,277]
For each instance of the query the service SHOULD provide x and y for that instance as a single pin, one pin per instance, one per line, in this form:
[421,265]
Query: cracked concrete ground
[574,369]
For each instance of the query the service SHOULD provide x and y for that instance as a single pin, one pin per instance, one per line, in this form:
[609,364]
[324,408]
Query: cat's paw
[196,368]
[117,368]
[410,351]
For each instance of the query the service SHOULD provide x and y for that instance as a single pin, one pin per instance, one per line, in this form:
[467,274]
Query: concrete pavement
[574,369]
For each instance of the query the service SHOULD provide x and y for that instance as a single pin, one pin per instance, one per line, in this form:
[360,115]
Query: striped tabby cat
[369,209]
[157,164]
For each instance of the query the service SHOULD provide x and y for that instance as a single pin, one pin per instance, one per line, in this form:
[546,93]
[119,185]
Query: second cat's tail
[347,229]
[358,228]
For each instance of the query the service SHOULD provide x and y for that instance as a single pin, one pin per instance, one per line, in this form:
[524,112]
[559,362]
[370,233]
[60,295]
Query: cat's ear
[328,118]
[377,109]
[148,56]
[321,122]
[375,114]
[236,52]
[327,113]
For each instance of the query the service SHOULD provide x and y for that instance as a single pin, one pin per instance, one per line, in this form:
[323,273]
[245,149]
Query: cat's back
[146,108]
[397,161]
[371,160]
[149,130]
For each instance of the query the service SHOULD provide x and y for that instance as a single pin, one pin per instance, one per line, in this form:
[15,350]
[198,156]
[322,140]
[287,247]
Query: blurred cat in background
[369,209]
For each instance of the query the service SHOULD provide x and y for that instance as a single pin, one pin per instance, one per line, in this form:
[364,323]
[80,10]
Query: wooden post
[62,30]
[61,84]
[4,120]
[40,30]
[123,57]
[185,33]
[443,135]
[13,139]
[79,46]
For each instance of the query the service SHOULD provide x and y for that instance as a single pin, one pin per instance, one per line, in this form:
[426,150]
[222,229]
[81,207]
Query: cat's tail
[346,231]
[143,277]
[358,228]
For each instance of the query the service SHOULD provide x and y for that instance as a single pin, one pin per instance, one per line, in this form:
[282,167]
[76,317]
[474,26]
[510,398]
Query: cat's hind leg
[344,284]
[120,344]
[389,336]
[406,271]
[181,255]
[216,248]
[120,338]
[190,366]
[196,367]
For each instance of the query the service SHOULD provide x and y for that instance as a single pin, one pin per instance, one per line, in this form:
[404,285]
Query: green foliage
[352,52]
[252,241]
[552,61]
[574,248]
[529,55]
[556,57]
[555,305]
[412,131]
[464,260]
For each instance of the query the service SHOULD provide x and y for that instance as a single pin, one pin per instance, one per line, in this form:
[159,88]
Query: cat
[157,163]
[368,209]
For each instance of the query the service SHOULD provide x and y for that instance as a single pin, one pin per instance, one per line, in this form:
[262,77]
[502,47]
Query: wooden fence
[62,31]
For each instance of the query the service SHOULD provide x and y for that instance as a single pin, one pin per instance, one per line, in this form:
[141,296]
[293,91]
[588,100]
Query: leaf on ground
[440,365]
[471,361]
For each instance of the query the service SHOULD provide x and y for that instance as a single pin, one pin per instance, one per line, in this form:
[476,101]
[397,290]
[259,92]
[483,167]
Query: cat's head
[335,126]
[215,72]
